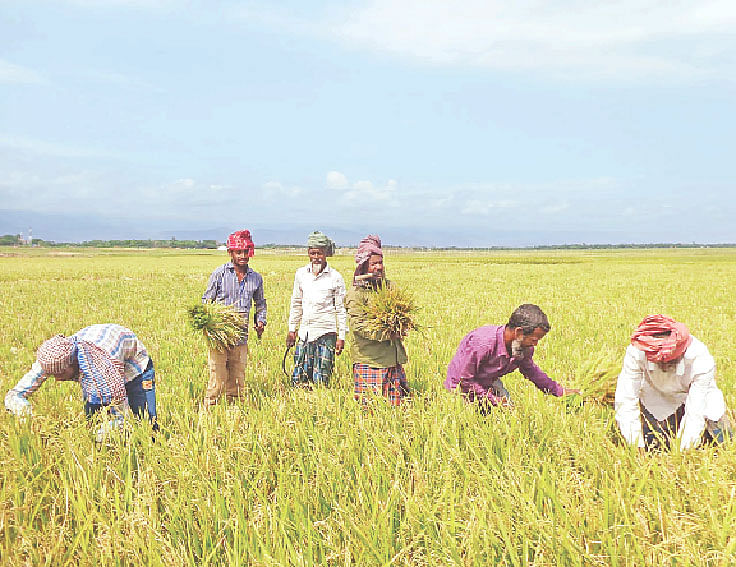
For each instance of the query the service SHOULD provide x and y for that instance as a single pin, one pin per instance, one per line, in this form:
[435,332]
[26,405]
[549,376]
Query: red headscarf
[240,240]
[659,347]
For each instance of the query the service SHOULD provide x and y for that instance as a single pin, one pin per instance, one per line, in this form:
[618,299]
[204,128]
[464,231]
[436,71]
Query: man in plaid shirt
[110,363]
[234,283]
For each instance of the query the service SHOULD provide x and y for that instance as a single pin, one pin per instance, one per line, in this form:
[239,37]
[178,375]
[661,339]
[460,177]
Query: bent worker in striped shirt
[110,363]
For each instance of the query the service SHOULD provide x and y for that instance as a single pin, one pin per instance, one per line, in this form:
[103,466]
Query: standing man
[667,388]
[377,364]
[318,310]
[234,283]
[111,365]
[489,352]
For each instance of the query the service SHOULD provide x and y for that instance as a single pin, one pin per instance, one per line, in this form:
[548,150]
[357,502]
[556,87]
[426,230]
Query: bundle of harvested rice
[389,312]
[597,380]
[221,325]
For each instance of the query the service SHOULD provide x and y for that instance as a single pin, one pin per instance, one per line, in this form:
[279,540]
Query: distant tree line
[10,239]
[612,246]
[171,243]
[15,240]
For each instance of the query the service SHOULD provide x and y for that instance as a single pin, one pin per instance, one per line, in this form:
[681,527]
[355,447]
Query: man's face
[532,339]
[67,375]
[521,344]
[670,365]
[239,257]
[317,258]
[375,266]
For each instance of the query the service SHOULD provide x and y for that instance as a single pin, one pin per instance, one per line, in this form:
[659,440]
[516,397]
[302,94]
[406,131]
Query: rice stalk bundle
[221,325]
[597,380]
[389,312]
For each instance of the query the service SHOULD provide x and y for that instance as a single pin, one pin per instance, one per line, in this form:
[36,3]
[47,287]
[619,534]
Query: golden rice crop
[287,477]
[597,379]
[389,312]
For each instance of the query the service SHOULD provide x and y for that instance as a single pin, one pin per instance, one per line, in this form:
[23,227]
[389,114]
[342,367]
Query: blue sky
[444,123]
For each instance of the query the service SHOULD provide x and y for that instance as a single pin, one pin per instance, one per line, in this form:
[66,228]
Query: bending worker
[667,388]
[111,365]
[492,351]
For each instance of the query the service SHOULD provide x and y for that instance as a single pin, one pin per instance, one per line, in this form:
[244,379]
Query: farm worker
[492,351]
[318,310]
[377,364]
[667,388]
[110,363]
[234,283]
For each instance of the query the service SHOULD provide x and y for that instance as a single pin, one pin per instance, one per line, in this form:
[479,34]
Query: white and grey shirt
[691,382]
[318,304]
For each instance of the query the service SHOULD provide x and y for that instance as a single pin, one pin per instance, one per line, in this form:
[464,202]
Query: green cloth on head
[319,240]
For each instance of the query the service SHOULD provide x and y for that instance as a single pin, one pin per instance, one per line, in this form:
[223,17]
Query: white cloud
[44,148]
[58,191]
[16,74]
[478,207]
[623,40]
[336,180]
[118,80]
[555,208]
[440,202]
[367,191]
[630,212]
[363,187]
[475,208]
[171,198]
[628,39]
[143,4]
[274,188]
[183,184]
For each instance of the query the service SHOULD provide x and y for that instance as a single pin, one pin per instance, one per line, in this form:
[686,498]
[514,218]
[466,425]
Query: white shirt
[692,382]
[318,304]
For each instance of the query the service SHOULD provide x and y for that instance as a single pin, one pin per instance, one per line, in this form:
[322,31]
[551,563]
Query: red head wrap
[658,346]
[240,240]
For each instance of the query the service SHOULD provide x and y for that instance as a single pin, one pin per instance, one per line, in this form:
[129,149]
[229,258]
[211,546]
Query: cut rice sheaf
[221,325]
[389,312]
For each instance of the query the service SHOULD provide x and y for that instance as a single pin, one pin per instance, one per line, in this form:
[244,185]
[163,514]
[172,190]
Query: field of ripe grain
[310,478]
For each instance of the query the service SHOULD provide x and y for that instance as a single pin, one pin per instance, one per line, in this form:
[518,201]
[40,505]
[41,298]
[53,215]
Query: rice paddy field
[311,478]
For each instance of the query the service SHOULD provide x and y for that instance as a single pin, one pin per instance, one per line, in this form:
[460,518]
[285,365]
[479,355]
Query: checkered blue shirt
[119,342]
[225,288]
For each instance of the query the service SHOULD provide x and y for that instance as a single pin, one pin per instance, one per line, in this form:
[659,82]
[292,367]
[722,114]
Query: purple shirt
[481,359]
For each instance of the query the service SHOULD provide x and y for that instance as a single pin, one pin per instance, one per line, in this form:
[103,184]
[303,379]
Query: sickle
[283,362]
